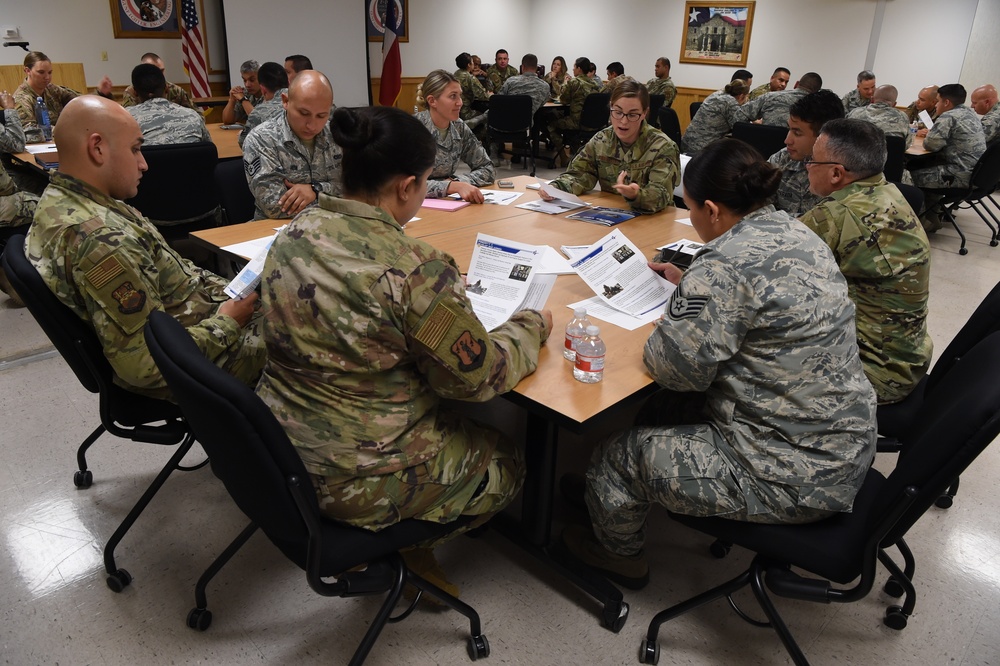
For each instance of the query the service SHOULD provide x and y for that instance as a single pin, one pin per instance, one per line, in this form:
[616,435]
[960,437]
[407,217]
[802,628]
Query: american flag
[193,50]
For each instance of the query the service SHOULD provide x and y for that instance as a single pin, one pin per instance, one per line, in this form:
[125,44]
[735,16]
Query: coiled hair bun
[350,128]
[732,173]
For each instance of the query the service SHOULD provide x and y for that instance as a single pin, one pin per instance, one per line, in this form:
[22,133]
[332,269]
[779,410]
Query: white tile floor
[56,608]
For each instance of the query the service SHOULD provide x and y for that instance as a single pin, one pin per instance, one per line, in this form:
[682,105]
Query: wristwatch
[317,189]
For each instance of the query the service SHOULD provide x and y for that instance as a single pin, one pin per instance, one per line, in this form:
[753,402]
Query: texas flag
[392,67]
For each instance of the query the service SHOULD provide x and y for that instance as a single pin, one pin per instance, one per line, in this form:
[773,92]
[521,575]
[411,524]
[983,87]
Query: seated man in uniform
[292,158]
[772,108]
[16,207]
[805,119]
[882,113]
[661,84]
[926,101]
[616,76]
[528,83]
[984,102]
[161,121]
[174,93]
[295,64]
[862,95]
[573,94]
[498,73]
[108,264]
[472,91]
[882,250]
[273,83]
[243,99]
[779,81]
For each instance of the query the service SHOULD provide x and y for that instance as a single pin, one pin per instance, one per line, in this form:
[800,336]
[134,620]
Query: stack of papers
[444,204]
[562,201]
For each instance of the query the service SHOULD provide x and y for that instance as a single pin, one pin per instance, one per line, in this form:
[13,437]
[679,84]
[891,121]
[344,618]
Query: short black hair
[742,74]
[817,108]
[499,51]
[462,60]
[811,81]
[954,92]
[583,63]
[781,69]
[148,81]
[299,62]
[272,76]
[616,67]
[529,60]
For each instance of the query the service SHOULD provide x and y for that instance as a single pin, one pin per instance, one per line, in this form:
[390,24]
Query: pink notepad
[444,204]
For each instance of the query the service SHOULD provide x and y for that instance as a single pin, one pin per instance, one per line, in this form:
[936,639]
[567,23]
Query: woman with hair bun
[716,116]
[760,324]
[368,330]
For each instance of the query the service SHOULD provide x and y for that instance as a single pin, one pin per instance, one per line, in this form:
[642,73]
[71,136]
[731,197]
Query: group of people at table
[806,307]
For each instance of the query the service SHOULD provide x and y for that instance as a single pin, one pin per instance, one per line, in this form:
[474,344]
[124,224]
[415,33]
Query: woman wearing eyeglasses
[716,116]
[631,158]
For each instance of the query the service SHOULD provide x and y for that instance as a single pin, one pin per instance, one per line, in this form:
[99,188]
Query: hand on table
[922,132]
[468,192]
[669,271]
[237,93]
[296,197]
[6,100]
[240,310]
[628,190]
[547,317]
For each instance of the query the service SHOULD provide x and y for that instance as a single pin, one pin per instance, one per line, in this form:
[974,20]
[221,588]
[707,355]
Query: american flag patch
[253,166]
[685,307]
[436,325]
[105,271]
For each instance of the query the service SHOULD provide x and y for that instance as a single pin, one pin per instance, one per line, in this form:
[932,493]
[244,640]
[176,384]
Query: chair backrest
[913,195]
[767,139]
[655,104]
[509,114]
[986,173]
[596,111]
[985,320]
[234,191]
[179,185]
[895,149]
[693,108]
[670,124]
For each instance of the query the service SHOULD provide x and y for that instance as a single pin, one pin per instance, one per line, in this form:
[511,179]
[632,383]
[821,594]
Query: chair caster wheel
[83,478]
[893,588]
[649,652]
[119,580]
[720,548]
[944,502]
[199,618]
[615,616]
[964,251]
[479,647]
[994,243]
[895,618]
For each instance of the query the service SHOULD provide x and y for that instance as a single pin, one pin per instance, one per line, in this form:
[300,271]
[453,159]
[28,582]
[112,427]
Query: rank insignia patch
[685,307]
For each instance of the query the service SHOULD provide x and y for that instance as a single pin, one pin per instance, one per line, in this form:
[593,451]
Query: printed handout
[504,277]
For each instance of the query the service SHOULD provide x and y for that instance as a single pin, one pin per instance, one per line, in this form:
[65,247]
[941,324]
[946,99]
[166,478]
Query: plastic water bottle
[576,329]
[590,351]
[42,118]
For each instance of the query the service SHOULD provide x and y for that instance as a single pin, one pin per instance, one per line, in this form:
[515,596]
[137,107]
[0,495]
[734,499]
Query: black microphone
[23,45]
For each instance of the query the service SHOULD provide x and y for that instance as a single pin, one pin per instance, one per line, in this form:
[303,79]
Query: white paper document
[925,118]
[683,220]
[554,207]
[247,279]
[598,309]
[554,263]
[504,277]
[617,272]
[251,248]
[500,197]
[556,193]
[35,148]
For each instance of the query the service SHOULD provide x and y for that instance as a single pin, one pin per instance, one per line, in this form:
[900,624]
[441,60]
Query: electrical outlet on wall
[11,32]
[104,56]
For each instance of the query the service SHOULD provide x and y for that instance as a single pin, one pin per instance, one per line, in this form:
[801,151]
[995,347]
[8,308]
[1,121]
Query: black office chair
[655,104]
[953,430]
[913,195]
[122,413]
[510,119]
[670,125]
[767,139]
[593,118]
[693,108]
[178,193]
[263,473]
[895,150]
[234,192]
[984,180]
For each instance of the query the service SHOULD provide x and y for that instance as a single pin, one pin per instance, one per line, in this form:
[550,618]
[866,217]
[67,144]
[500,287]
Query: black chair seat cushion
[894,419]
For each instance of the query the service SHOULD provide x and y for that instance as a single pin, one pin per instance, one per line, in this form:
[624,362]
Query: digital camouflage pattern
[175,94]
[773,107]
[883,252]
[458,144]
[56,98]
[272,154]
[163,122]
[527,84]
[663,87]
[652,161]
[367,331]
[794,196]
[715,119]
[241,113]
[17,208]
[573,95]
[958,142]
[472,90]
[762,324]
[266,110]
[886,117]
[495,78]
[991,123]
[556,84]
[109,265]
[854,100]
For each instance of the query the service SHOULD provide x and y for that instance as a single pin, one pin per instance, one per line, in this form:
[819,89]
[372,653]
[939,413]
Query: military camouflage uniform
[16,208]
[527,84]
[715,119]
[175,94]
[883,252]
[555,85]
[472,91]
[495,78]
[573,95]
[663,87]
[272,154]
[762,324]
[367,331]
[457,144]
[652,162]
[109,265]
[991,123]
[263,112]
[958,142]
[163,122]
[854,100]
[773,108]
[241,113]
[793,195]
[913,115]
[886,117]
[56,97]
[759,91]
[611,84]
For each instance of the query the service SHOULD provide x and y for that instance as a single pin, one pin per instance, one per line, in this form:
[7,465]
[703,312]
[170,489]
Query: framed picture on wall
[375,16]
[717,34]
[145,18]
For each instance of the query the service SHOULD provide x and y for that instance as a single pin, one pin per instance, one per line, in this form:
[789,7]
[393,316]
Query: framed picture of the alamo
[717,34]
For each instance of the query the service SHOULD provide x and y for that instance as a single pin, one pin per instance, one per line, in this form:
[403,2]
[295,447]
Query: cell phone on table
[506,183]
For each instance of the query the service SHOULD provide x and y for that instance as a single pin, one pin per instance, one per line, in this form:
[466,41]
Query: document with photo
[617,272]
[504,277]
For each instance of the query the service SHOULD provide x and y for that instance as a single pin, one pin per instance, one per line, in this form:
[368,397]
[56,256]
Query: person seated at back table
[174,93]
[499,71]
[528,83]
[440,99]
[17,207]
[616,75]
[161,121]
[762,325]
[38,83]
[295,64]
[926,101]
[715,117]
[777,83]
[984,103]
[472,91]
[661,83]
[882,251]
[772,108]
[398,451]
[243,99]
[631,157]
[274,86]
[882,113]
[861,96]
[557,76]
[573,95]
[110,265]
[478,71]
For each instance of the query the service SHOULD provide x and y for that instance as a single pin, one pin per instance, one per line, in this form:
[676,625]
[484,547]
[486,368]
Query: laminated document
[246,280]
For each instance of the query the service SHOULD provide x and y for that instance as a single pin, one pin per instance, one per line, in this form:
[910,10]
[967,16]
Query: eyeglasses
[809,161]
[618,114]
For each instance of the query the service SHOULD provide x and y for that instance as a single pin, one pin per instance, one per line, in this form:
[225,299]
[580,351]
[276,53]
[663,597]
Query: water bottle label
[589,363]
[571,341]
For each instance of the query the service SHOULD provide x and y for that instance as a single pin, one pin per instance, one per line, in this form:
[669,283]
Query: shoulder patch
[685,307]
[130,300]
[105,271]
[253,166]
[470,352]
[435,326]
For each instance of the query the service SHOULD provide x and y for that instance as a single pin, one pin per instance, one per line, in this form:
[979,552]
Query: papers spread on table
[556,193]
[444,204]
[598,309]
[501,197]
[562,202]
[574,251]
[35,148]
[925,118]
[608,217]
[553,263]
[504,277]
[247,279]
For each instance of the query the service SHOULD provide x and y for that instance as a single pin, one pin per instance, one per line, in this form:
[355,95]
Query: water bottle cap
[593,330]
[579,313]
[39,99]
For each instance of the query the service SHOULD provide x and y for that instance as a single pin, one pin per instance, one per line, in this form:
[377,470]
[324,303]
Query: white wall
[983,54]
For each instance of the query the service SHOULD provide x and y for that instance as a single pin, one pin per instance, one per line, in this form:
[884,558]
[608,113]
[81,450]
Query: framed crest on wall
[375,15]
[145,18]
[717,34]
